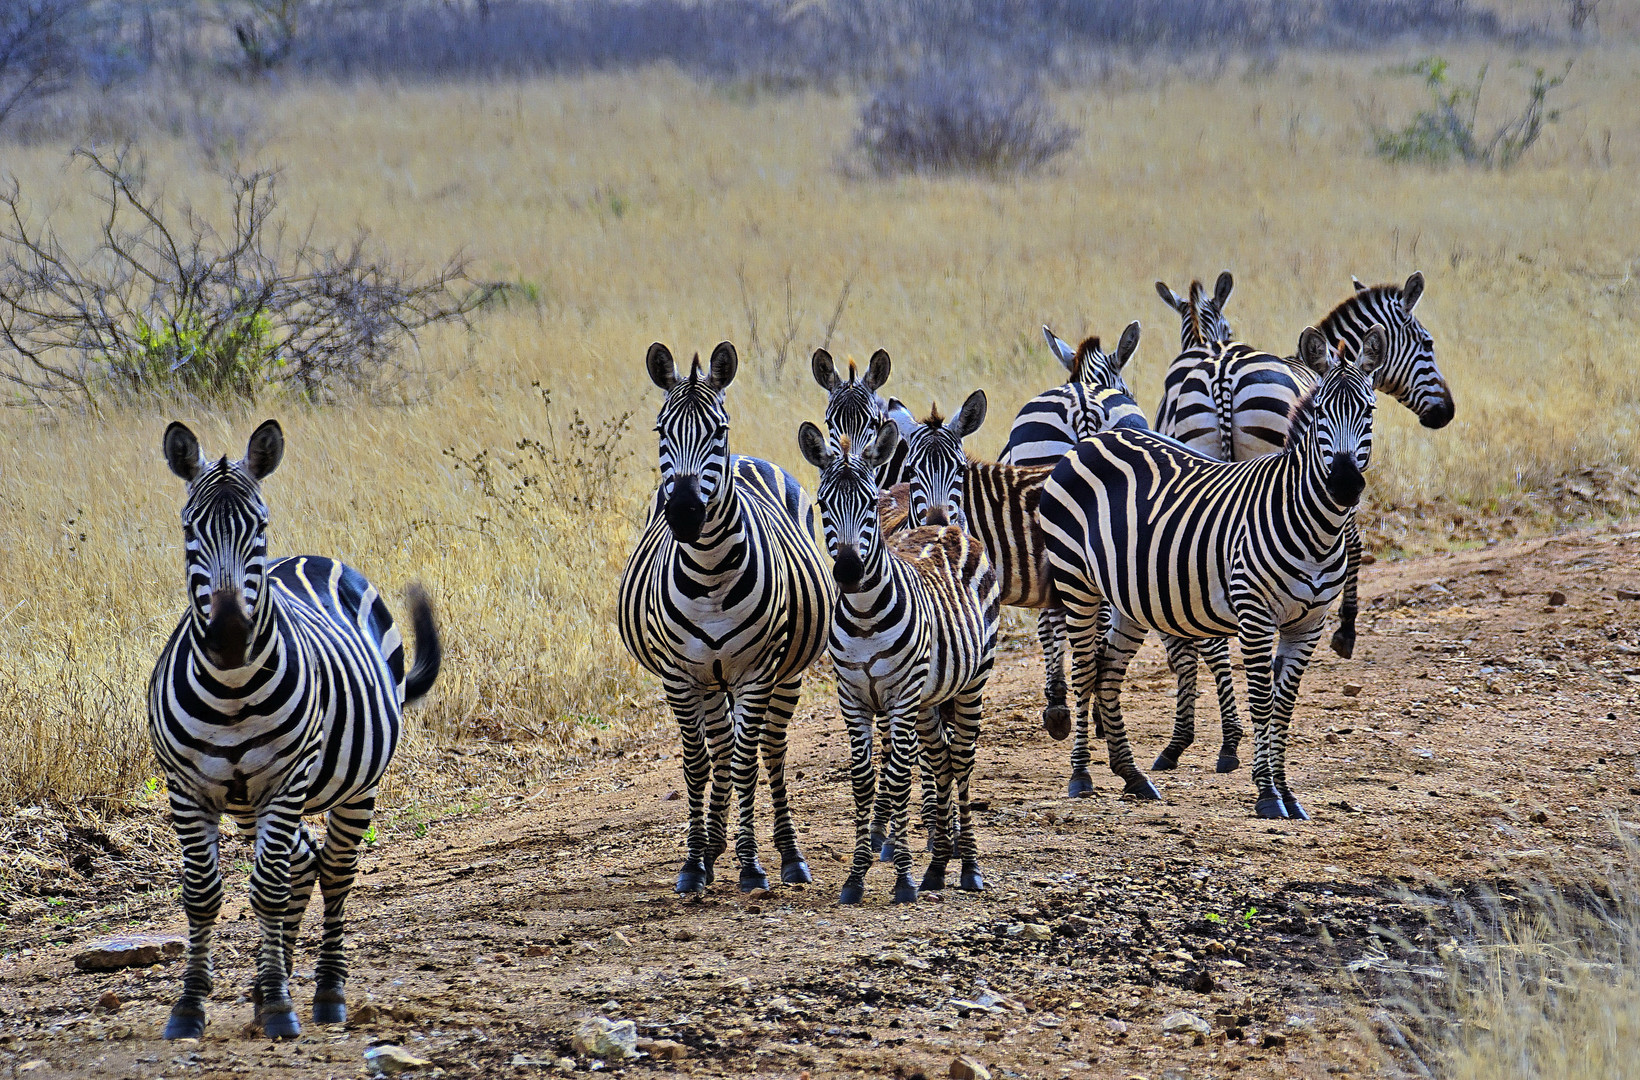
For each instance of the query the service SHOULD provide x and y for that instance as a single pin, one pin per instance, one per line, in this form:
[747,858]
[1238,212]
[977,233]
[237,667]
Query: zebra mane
[934,420]
[1085,352]
[1302,416]
[1195,315]
[694,371]
[843,444]
[851,370]
[1390,292]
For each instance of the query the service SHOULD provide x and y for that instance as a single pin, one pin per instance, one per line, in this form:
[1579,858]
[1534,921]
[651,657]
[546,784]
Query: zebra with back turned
[279,695]
[1203,549]
[727,600]
[914,638]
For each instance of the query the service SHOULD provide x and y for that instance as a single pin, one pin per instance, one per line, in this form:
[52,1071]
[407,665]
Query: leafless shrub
[39,49]
[945,121]
[166,302]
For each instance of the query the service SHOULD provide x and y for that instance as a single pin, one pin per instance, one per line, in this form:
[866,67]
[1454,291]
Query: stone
[1628,594]
[1541,817]
[1200,981]
[1351,689]
[760,894]
[671,796]
[391,1060]
[1185,1021]
[740,984]
[110,1002]
[1116,1028]
[1038,931]
[967,1068]
[618,940]
[1273,1040]
[533,951]
[663,1049]
[364,1014]
[611,1006]
[34,1066]
[600,1037]
[1557,598]
[120,952]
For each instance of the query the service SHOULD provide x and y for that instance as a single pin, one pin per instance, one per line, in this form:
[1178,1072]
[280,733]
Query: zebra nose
[1439,414]
[685,509]
[938,516]
[227,633]
[848,569]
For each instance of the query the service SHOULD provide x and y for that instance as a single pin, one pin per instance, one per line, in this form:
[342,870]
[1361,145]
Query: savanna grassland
[649,206]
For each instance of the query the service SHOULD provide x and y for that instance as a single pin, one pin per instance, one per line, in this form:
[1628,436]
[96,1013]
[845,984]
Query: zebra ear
[1413,290]
[970,416]
[725,362]
[182,451]
[1374,348]
[663,371]
[882,447]
[1127,345]
[813,445]
[877,370]
[1359,287]
[1061,349]
[1222,287]
[1313,352]
[1170,298]
[265,450]
[825,371]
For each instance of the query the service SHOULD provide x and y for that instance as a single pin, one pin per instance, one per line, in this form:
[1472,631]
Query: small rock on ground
[966,1068]
[128,952]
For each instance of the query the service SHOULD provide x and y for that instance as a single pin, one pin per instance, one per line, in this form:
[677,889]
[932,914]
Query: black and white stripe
[279,695]
[854,409]
[1201,317]
[727,600]
[913,638]
[1094,399]
[1202,549]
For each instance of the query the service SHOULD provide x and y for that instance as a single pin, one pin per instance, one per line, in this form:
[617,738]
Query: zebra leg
[1111,663]
[794,870]
[197,831]
[1257,641]
[1292,658]
[897,782]
[1343,639]
[1216,651]
[751,708]
[338,866]
[963,731]
[936,758]
[930,799]
[688,706]
[718,723]
[1056,714]
[863,777]
[1181,657]
[880,840]
[304,874]
[277,831]
[1083,631]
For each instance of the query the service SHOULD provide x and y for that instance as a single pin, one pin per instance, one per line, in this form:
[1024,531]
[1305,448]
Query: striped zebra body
[1202,549]
[279,695]
[913,638]
[726,599]
[1094,399]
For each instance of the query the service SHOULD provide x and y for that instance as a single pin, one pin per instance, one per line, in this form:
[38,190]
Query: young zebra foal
[914,637]
[278,695]
[1203,549]
[727,600]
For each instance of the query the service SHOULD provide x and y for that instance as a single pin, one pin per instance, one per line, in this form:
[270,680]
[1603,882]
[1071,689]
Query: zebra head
[1332,424]
[225,539]
[1201,318]
[1090,367]
[1409,372]
[939,466]
[847,496]
[694,436]
[854,408]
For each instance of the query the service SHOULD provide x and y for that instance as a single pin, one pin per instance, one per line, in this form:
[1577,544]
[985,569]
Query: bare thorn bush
[960,121]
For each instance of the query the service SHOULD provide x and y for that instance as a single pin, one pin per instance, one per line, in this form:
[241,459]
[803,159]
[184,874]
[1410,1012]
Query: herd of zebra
[281,692]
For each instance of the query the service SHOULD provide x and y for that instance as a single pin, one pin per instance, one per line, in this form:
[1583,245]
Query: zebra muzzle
[848,569]
[685,510]
[228,633]
[1439,414]
[1344,480]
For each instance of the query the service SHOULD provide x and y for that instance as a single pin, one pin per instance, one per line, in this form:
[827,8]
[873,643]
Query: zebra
[854,408]
[280,694]
[1059,418]
[726,599]
[914,637]
[1203,549]
[1201,319]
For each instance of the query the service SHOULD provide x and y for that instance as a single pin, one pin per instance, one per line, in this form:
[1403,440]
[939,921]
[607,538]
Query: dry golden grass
[637,203]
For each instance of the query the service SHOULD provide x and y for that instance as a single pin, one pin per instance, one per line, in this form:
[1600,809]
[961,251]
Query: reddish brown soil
[1494,740]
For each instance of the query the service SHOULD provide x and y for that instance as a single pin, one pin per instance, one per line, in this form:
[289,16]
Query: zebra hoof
[1228,762]
[1290,803]
[1056,721]
[330,1007]
[795,872]
[187,1021]
[1163,763]
[972,880]
[752,877]
[1081,785]
[279,1020]
[1141,788]
[1343,642]
[693,878]
[885,852]
[1270,806]
[904,891]
[934,879]
[853,891]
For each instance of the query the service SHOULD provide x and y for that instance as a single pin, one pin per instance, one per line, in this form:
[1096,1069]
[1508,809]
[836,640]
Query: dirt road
[1493,737]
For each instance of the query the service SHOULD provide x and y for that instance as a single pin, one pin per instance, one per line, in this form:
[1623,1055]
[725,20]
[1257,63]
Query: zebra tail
[429,653]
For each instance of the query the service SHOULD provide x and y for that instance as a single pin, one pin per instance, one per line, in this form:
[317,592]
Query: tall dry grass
[646,206]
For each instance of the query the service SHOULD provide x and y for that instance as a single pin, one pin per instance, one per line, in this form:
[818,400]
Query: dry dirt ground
[1494,740]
